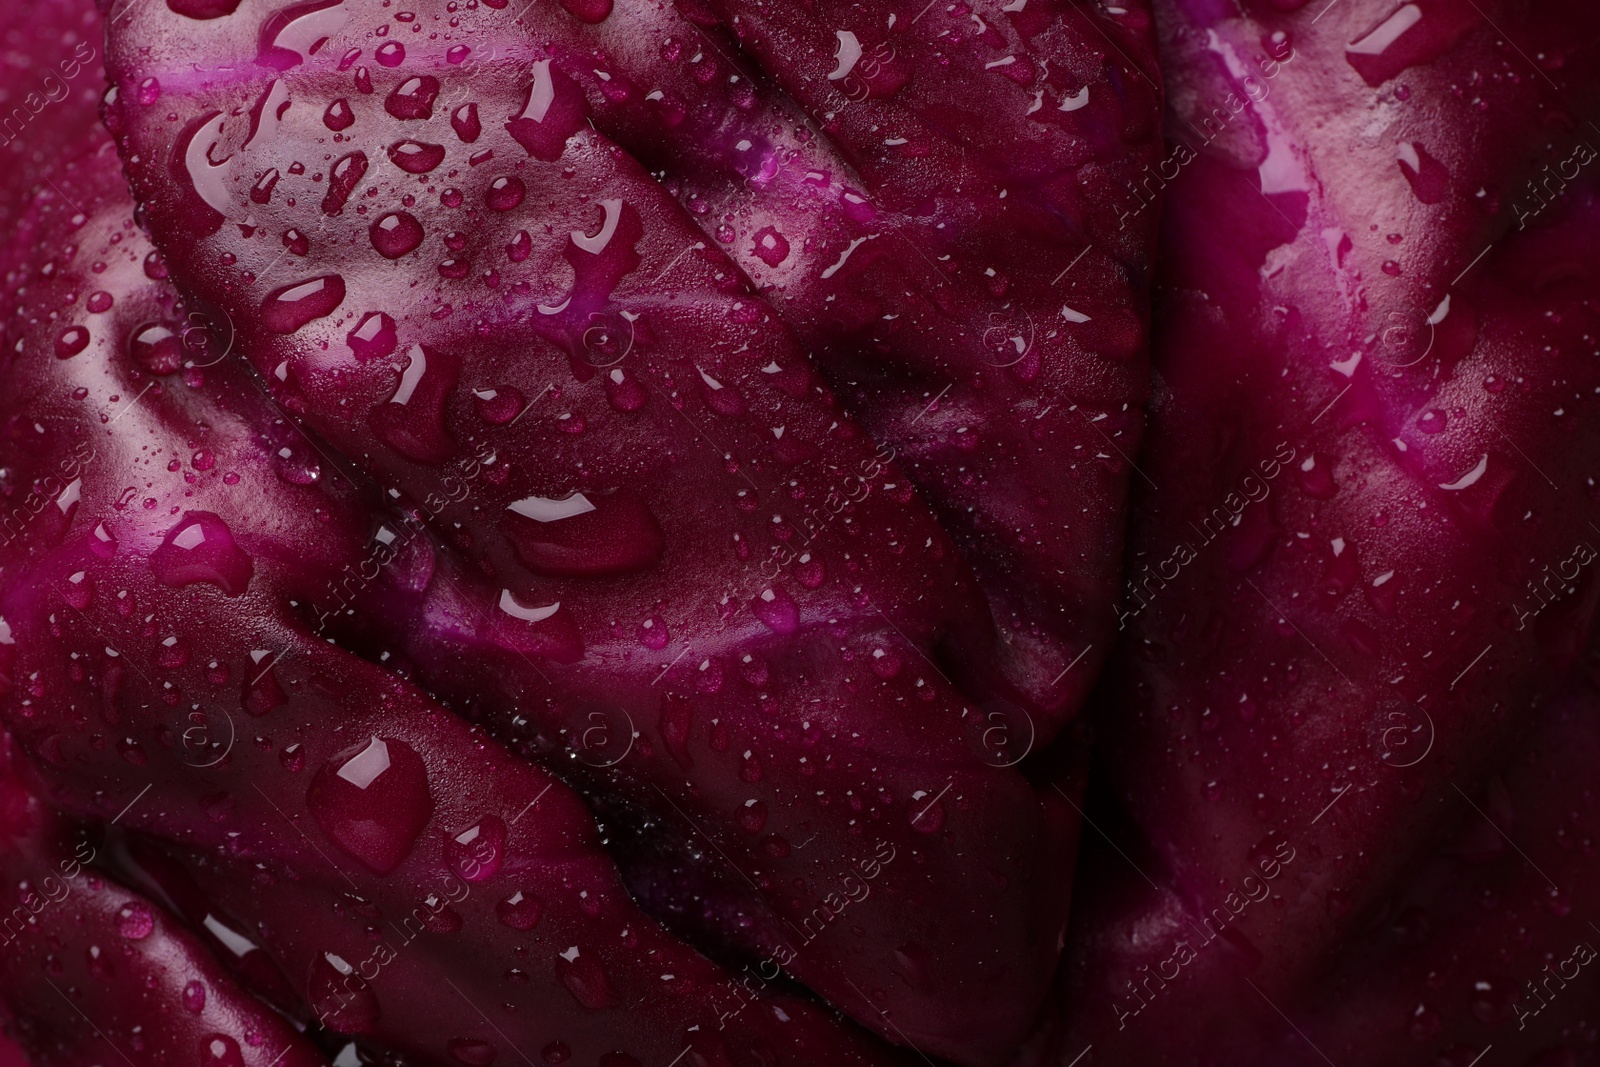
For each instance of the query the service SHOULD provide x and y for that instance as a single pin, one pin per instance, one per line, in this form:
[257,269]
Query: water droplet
[586,979]
[476,853]
[554,111]
[464,120]
[290,307]
[505,193]
[71,341]
[413,98]
[295,34]
[396,234]
[194,997]
[149,92]
[99,302]
[590,11]
[372,800]
[340,998]
[624,391]
[135,921]
[498,406]
[753,816]
[200,548]
[777,611]
[261,191]
[101,543]
[412,421]
[390,54]
[653,633]
[342,181]
[471,1052]
[1428,177]
[926,813]
[771,247]
[220,1050]
[203,9]
[416,157]
[585,535]
[520,911]
[339,116]
[520,246]
[157,348]
[374,337]
[1315,475]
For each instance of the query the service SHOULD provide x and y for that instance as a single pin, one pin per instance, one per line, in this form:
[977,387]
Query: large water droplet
[590,11]
[413,98]
[71,341]
[295,34]
[287,309]
[412,421]
[585,977]
[339,116]
[520,911]
[203,9]
[395,234]
[476,853]
[339,997]
[554,111]
[777,610]
[416,157]
[464,120]
[374,337]
[505,193]
[585,535]
[157,348]
[1428,177]
[372,800]
[342,181]
[201,548]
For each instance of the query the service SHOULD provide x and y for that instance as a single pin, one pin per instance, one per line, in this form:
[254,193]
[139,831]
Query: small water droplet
[135,921]
[194,997]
